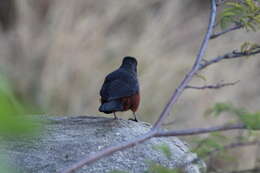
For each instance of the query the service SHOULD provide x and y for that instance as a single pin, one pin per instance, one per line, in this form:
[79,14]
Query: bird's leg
[115,117]
[135,117]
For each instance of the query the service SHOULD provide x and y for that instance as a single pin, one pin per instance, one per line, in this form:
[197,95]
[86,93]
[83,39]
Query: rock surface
[66,140]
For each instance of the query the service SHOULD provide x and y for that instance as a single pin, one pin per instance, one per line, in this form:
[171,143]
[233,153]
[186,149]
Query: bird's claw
[133,119]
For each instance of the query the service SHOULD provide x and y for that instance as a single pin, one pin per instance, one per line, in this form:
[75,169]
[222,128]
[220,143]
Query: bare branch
[232,55]
[217,86]
[195,68]
[153,133]
[108,151]
[196,131]
[165,112]
[236,27]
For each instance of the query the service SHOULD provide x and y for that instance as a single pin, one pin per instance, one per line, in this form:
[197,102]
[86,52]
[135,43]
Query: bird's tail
[111,106]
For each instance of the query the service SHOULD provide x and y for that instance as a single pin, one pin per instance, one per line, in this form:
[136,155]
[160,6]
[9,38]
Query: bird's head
[129,63]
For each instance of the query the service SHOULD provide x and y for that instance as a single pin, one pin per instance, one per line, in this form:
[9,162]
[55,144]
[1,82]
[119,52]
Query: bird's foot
[115,117]
[133,119]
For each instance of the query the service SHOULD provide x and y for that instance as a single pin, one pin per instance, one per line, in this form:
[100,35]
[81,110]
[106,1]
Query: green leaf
[201,76]
[214,141]
[221,107]
[235,10]
[225,22]
[248,47]
[244,46]
[218,136]
[251,26]
[165,149]
[251,4]
[257,18]
[235,5]
[12,113]
[252,121]
[245,14]
[229,13]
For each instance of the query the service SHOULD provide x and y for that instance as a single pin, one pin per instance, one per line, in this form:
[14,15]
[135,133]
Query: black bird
[120,90]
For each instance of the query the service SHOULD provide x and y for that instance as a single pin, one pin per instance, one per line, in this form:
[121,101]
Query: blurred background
[56,54]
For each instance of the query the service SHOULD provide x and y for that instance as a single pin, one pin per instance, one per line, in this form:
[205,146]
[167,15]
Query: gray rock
[66,140]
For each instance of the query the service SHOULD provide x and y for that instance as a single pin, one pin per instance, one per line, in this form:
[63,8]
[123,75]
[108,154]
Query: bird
[120,90]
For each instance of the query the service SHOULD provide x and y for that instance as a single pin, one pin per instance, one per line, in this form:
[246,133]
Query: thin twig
[217,86]
[236,27]
[195,131]
[193,71]
[231,55]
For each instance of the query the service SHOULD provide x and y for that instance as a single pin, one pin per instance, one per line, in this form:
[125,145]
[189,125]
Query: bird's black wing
[118,84]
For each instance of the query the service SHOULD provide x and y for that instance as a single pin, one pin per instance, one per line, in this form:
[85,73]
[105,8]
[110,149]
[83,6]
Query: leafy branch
[244,14]
[251,120]
[212,152]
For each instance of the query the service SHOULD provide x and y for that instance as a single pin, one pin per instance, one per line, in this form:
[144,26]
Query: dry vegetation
[58,52]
